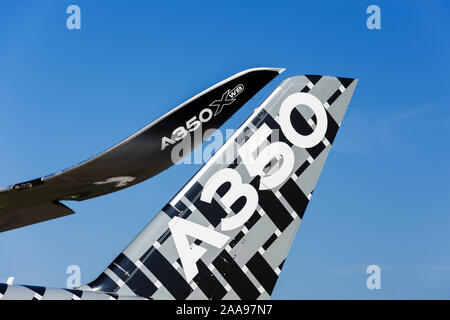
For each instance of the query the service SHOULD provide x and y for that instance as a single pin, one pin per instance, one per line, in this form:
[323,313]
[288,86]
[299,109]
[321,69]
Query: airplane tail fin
[227,233]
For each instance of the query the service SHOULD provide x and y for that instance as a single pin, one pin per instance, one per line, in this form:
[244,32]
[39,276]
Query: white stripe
[175,265]
[277,271]
[193,285]
[120,283]
[156,244]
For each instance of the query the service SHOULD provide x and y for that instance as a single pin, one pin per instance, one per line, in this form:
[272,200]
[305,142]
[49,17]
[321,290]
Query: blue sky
[383,197]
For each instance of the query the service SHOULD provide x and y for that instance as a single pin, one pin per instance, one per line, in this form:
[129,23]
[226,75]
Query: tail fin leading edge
[227,233]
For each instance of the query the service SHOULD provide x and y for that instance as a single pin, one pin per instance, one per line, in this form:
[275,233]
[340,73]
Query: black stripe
[281,265]
[236,239]
[104,283]
[334,97]
[194,191]
[235,277]
[185,212]
[115,296]
[208,283]
[233,165]
[235,162]
[39,290]
[166,274]
[274,208]
[164,237]
[252,220]
[313,78]
[305,89]
[181,206]
[259,117]
[346,81]
[295,197]
[262,272]
[77,293]
[332,128]
[138,283]
[3,287]
[122,267]
[141,285]
[213,212]
[170,211]
[268,243]
[316,150]
[302,168]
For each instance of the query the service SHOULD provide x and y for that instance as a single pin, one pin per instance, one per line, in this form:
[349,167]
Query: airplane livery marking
[118,181]
[205,115]
[255,167]
[228,97]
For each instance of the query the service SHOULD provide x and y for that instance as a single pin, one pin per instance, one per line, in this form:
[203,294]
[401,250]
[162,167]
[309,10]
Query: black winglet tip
[346,81]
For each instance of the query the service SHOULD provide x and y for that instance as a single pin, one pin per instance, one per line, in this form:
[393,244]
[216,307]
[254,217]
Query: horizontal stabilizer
[20,217]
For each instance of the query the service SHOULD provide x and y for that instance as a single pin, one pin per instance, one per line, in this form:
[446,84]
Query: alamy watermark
[74,20]
[374,280]
[373,22]
[247,144]
[74,278]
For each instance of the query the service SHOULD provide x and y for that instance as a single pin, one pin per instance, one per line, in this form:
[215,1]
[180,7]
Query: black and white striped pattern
[248,266]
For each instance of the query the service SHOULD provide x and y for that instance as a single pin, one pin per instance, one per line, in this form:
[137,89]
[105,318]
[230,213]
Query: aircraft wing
[135,159]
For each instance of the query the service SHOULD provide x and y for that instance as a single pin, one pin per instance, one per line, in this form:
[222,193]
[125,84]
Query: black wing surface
[137,158]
